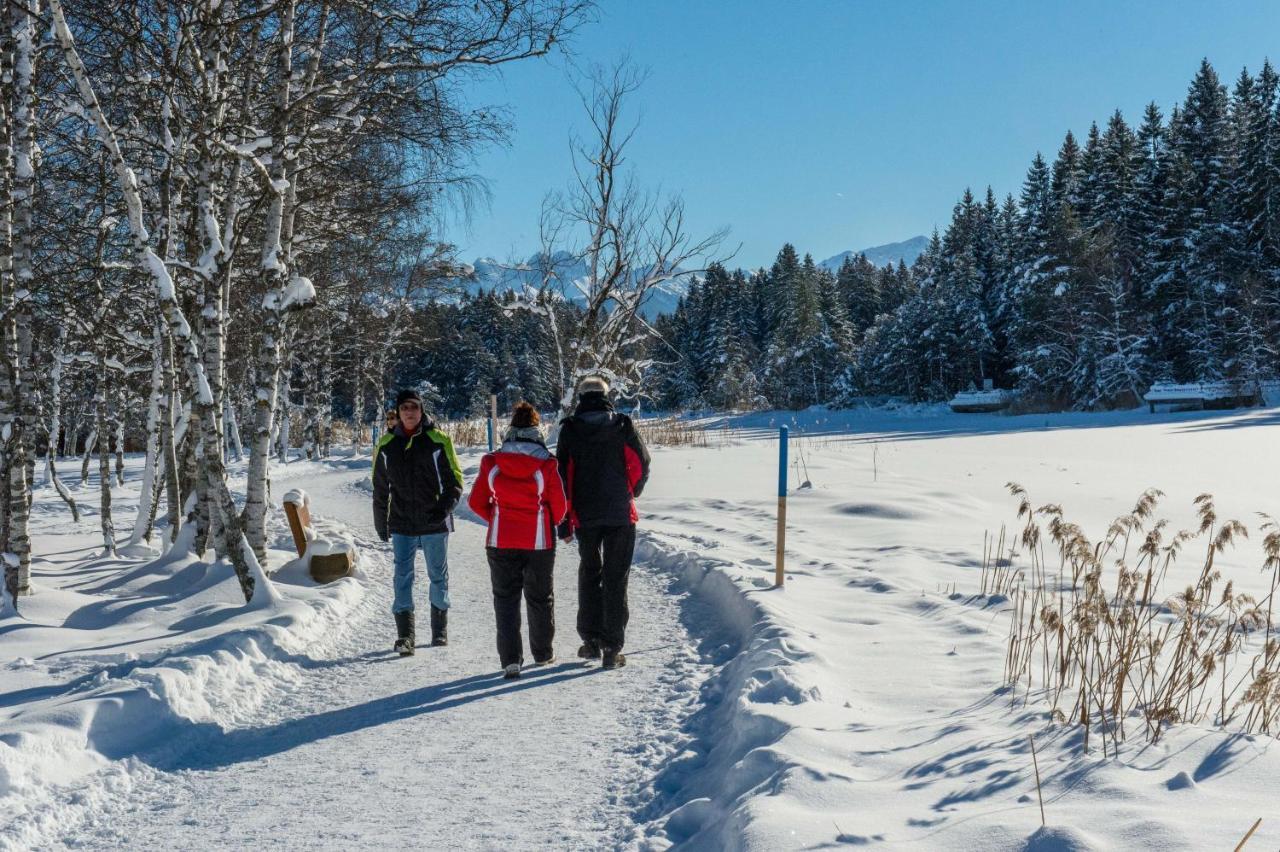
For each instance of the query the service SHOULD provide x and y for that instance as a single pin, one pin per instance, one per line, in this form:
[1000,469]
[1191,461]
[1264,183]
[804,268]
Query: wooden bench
[980,402]
[325,566]
[1202,395]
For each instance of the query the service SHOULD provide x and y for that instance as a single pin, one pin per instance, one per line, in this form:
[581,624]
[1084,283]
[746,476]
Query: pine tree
[858,282]
[1149,212]
[780,289]
[1206,265]
[1090,190]
[1067,173]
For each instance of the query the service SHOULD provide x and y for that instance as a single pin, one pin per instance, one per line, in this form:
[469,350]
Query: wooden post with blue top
[493,421]
[782,504]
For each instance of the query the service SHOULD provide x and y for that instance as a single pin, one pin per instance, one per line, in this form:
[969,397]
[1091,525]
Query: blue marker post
[782,504]
[493,421]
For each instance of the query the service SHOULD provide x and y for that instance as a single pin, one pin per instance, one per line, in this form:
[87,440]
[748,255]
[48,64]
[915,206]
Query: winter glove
[565,531]
[383,536]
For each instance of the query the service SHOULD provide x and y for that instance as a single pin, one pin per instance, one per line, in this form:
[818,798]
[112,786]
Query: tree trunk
[118,417]
[357,409]
[233,430]
[14,543]
[104,462]
[146,489]
[90,443]
[196,483]
[168,449]
[24,15]
[274,276]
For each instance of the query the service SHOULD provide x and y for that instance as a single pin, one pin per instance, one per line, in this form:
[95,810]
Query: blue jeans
[436,550]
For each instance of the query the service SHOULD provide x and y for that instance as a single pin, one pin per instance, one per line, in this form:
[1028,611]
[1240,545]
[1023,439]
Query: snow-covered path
[369,750]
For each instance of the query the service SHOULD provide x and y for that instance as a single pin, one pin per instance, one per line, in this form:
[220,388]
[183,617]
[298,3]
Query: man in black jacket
[416,484]
[604,465]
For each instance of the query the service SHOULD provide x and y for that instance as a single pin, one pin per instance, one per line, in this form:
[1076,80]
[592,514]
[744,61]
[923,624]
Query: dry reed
[1100,641]
[671,432]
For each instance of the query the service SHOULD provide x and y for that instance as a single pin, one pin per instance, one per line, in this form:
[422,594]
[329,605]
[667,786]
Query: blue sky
[839,125]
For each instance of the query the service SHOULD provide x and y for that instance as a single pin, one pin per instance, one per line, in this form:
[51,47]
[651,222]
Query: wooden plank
[299,520]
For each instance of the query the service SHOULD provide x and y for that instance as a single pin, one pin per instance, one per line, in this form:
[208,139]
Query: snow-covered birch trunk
[167,472]
[232,422]
[104,461]
[55,425]
[146,490]
[214,265]
[213,313]
[275,278]
[196,483]
[118,412]
[13,533]
[168,445]
[253,580]
[90,443]
[357,412]
[282,439]
[24,16]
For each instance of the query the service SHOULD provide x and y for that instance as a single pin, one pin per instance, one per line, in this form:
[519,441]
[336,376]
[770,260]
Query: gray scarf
[525,433]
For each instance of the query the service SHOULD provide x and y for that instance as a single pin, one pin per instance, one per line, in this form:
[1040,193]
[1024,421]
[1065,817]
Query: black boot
[439,627]
[404,632]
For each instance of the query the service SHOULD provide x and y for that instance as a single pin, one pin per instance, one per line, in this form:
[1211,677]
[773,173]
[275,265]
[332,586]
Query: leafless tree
[631,240]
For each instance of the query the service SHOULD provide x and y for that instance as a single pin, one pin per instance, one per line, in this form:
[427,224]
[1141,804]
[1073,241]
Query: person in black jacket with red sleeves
[604,465]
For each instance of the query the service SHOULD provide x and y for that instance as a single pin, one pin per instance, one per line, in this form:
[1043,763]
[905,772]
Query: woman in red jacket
[519,493]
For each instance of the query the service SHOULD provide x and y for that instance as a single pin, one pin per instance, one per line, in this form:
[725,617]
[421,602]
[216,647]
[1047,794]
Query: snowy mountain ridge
[907,251]
[488,275]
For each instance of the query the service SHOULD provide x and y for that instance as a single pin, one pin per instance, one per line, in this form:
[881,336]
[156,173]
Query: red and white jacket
[520,494]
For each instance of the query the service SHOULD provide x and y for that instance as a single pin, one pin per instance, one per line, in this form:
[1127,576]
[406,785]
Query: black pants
[513,571]
[602,583]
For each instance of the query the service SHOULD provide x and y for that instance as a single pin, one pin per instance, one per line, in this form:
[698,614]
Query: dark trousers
[529,571]
[602,583]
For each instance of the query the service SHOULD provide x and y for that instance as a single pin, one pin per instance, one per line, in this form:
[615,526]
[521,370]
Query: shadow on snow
[248,744]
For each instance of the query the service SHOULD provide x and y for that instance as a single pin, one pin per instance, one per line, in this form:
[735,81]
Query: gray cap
[593,383]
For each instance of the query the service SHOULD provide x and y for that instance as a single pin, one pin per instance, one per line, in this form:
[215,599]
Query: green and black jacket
[416,482]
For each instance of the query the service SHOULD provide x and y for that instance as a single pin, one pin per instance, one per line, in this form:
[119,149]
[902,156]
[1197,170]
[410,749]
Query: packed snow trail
[374,751]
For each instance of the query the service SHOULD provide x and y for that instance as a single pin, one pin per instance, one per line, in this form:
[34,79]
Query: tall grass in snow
[1096,633]
[472,432]
[671,432]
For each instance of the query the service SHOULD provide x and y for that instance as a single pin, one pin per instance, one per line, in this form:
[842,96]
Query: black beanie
[408,395]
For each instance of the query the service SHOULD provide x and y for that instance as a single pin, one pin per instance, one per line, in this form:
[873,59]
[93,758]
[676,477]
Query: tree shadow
[249,744]
[1258,418]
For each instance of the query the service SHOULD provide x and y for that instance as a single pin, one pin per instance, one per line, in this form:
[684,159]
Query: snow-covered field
[142,707]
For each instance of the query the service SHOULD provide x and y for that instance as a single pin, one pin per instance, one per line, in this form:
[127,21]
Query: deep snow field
[143,706]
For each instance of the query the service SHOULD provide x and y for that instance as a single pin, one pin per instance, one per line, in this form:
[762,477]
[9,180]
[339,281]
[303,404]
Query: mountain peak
[890,253]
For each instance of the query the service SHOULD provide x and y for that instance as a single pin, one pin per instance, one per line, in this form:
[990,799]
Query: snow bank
[865,703]
[112,660]
[226,662]
[706,793]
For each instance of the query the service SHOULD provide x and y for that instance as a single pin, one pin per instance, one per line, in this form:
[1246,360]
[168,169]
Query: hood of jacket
[595,418]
